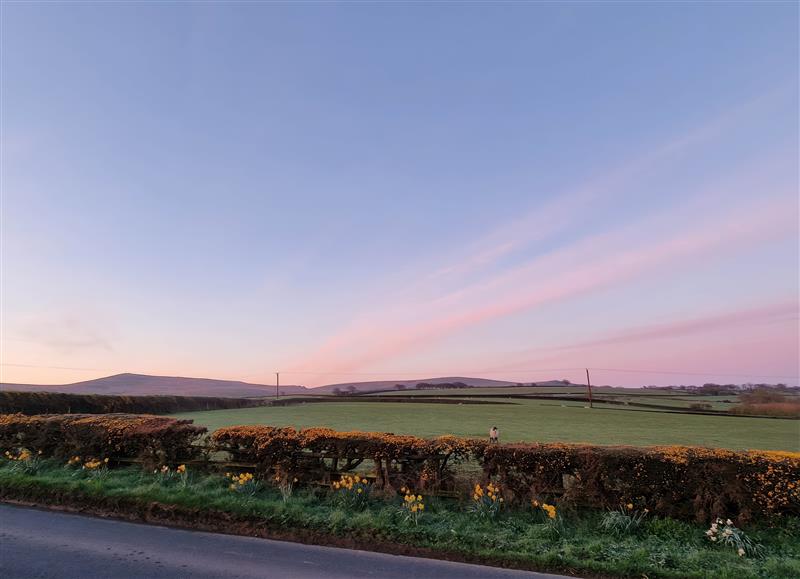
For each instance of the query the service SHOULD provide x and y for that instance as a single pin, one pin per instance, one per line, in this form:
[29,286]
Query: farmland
[524,420]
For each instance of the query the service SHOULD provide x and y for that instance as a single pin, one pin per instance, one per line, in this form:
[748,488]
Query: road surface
[38,544]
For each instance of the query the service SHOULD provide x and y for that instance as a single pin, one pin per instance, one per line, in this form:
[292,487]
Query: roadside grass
[659,548]
[524,420]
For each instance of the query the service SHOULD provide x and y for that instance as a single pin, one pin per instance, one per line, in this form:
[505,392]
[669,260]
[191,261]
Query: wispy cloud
[565,207]
[66,335]
[784,311]
[585,266]
[746,208]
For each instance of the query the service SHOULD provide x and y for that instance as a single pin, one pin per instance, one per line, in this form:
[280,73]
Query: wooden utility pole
[277,385]
[589,386]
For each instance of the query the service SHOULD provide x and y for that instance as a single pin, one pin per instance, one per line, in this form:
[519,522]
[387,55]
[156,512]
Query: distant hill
[390,384]
[143,384]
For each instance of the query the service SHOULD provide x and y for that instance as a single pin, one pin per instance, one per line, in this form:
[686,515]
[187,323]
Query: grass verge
[521,539]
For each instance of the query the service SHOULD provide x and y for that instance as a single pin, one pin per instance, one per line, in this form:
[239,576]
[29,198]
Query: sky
[356,191]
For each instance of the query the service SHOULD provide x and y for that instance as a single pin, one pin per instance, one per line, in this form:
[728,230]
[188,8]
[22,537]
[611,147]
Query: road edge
[155,513]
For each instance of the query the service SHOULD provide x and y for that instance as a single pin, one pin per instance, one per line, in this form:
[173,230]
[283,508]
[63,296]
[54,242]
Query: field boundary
[565,398]
[364,399]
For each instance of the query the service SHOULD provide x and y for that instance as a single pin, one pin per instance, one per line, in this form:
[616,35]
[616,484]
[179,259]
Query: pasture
[523,420]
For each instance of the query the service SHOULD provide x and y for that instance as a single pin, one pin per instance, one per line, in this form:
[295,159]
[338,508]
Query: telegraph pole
[277,385]
[589,386]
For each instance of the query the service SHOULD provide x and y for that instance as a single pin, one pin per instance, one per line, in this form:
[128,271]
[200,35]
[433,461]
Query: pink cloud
[738,320]
[753,349]
[781,312]
[587,266]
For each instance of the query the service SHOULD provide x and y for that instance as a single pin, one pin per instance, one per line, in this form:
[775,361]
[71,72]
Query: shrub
[681,482]
[762,396]
[778,409]
[323,453]
[64,403]
[151,439]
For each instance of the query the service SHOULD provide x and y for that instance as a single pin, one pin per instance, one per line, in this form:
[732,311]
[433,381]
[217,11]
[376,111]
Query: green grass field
[526,420]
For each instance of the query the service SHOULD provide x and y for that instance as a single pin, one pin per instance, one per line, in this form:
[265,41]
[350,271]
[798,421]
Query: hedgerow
[681,482]
[151,439]
[320,453]
[66,403]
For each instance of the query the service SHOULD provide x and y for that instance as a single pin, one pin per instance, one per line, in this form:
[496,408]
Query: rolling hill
[390,384]
[144,384]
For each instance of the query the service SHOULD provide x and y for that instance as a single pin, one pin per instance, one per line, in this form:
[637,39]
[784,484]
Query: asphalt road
[38,544]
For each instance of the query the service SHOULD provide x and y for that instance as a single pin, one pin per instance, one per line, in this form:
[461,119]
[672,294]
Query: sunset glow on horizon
[517,194]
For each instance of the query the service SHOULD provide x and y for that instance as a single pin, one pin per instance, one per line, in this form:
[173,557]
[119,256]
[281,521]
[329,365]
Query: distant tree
[352,389]
[716,389]
[337,391]
[399,386]
[441,386]
[762,396]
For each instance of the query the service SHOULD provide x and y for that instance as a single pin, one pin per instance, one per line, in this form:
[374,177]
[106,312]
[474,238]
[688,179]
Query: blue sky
[226,190]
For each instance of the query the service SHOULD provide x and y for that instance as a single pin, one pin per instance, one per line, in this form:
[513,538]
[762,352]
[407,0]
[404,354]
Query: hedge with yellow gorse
[681,482]
[152,439]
